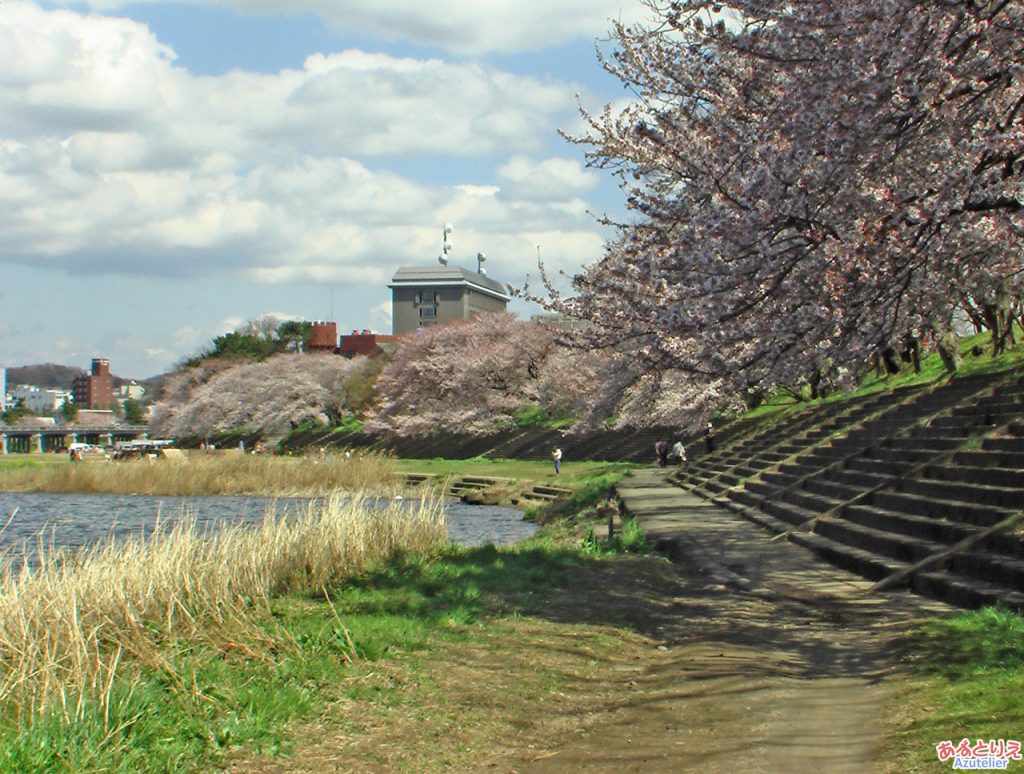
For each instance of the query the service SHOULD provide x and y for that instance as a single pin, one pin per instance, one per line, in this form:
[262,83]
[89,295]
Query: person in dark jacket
[661,450]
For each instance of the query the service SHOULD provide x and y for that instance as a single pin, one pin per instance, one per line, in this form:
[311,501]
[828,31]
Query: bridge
[44,438]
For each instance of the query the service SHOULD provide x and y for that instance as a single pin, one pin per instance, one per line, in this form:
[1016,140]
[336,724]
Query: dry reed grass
[82,621]
[223,473]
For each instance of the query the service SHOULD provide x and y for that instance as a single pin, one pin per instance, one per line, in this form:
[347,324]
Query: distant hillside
[48,376]
[60,377]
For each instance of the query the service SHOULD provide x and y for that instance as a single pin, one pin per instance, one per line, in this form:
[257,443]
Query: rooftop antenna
[480,258]
[446,246]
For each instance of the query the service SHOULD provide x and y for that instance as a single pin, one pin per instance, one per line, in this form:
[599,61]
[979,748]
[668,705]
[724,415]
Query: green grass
[30,461]
[631,540]
[189,705]
[535,416]
[968,676]
[335,647]
[449,590]
[155,726]
[573,472]
[932,371]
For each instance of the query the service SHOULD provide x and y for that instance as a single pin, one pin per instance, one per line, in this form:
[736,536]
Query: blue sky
[171,170]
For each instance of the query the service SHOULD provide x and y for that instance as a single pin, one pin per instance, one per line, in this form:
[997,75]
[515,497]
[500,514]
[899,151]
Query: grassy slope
[966,675]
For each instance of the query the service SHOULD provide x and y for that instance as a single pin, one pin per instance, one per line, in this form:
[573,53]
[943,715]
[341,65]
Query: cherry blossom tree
[812,182]
[475,375]
[267,398]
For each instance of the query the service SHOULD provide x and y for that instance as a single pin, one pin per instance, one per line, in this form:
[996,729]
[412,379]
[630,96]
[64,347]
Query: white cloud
[113,159]
[550,180]
[380,317]
[464,26]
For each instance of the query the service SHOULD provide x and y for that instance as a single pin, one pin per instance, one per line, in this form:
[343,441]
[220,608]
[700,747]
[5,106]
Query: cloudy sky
[169,170]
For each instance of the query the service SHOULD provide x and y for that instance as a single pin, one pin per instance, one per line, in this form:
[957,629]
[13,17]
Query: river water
[77,520]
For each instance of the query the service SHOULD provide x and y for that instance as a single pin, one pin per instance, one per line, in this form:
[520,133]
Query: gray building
[435,295]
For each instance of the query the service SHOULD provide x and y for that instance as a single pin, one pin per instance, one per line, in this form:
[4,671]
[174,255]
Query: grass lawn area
[18,461]
[526,470]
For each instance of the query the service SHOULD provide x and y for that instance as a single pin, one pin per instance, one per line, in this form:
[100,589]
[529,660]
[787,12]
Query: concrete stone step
[1012,444]
[789,513]
[776,479]
[772,456]
[761,488]
[1001,570]
[727,480]
[900,456]
[989,458]
[834,490]
[991,476]
[864,563]
[963,492]
[942,433]
[992,411]
[714,485]
[893,545]
[799,469]
[964,592]
[745,497]
[949,510]
[831,452]
[859,479]
[930,445]
[746,470]
[789,449]
[879,466]
[925,527]
[811,501]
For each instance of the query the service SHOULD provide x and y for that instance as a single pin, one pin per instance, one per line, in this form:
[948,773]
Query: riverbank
[550,657]
[223,473]
[233,473]
[559,654]
[141,654]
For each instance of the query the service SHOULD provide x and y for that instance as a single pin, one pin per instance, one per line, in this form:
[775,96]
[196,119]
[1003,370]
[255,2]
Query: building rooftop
[448,275]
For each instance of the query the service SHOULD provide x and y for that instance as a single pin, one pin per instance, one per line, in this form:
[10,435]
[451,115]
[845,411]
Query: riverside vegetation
[391,648]
[224,473]
[156,654]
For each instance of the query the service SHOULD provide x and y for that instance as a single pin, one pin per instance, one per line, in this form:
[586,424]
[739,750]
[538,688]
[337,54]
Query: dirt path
[742,655]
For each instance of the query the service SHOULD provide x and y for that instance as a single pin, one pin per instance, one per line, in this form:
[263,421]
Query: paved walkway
[793,657]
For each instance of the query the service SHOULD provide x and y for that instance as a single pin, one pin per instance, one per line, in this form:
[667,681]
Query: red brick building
[363,343]
[324,338]
[94,390]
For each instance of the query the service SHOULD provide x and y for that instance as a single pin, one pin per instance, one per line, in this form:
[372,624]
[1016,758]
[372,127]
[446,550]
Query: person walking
[556,457]
[709,438]
[678,453]
[662,450]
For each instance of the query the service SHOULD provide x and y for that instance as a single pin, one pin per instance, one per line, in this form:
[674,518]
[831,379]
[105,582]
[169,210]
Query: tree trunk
[891,360]
[949,350]
[913,353]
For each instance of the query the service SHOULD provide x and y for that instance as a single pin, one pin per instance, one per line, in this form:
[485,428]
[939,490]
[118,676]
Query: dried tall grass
[212,474]
[72,628]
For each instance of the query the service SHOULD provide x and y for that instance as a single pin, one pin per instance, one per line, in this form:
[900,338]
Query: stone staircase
[911,487]
[465,487]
